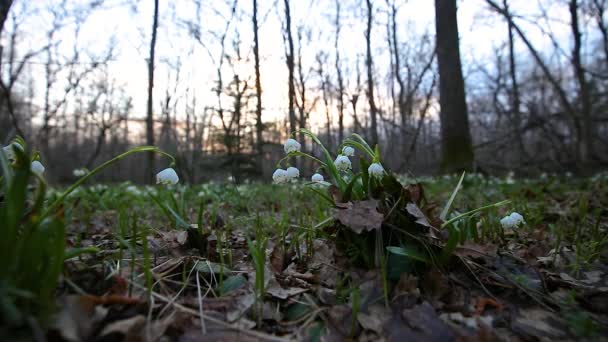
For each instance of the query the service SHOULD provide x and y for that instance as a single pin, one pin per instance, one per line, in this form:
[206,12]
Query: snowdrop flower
[291,145]
[292,173]
[342,163]
[375,170]
[80,172]
[280,176]
[317,178]
[37,167]
[167,176]
[512,221]
[10,152]
[348,151]
[132,189]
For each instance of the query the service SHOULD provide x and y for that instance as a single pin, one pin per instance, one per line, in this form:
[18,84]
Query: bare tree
[289,58]
[5,6]
[14,69]
[258,84]
[369,64]
[457,149]
[150,107]
[585,149]
[340,78]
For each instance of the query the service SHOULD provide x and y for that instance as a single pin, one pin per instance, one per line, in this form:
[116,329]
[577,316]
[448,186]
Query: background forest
[221,84]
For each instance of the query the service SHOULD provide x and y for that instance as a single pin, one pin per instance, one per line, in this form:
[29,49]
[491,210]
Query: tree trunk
[259,128]
[5,6]
[340,77]
[150,115]
[515,98]
[585,144]
[290,67]
[457,150]
[369,63]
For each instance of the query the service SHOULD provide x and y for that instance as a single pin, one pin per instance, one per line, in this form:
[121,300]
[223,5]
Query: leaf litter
[517,285]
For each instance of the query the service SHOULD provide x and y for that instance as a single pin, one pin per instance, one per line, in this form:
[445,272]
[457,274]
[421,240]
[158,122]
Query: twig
[256,334]
[200,305]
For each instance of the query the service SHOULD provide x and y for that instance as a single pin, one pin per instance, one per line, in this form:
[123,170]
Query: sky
[129,26]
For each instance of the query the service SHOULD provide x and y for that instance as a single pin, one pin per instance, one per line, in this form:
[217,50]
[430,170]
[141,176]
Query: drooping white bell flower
[10,152]
[375,170]
[512,221]
[37,167]
[348,151]
[291,145]
[167,176]
[317,178]
[292,173]
[80,172]
[519,219]
[342,163]
[280,176]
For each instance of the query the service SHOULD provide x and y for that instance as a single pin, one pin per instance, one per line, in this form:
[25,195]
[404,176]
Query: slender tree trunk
[290,67]
[401,103]
[150,115]
[515,97]
[259,127]
[5,6]
[369,63]
[585,149]
[457,149]
[340,77]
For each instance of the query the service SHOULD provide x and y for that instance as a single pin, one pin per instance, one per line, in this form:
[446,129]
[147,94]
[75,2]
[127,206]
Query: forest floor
[184,263]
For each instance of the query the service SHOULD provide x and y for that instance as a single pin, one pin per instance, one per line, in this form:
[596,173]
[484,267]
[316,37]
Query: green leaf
[446,209]
[453,240]
[209,267]
[232,283]
[297,311]
[71,253]
[409,252]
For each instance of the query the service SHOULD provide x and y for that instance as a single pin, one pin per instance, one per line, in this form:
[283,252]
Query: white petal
[37,167]
[348,151]
[167,176]
[317,178]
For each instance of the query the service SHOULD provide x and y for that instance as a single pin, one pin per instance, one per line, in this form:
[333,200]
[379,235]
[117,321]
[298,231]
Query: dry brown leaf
[78,317]
[421,218]
[360,216]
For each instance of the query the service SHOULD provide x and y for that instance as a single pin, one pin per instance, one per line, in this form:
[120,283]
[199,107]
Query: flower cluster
[80,172]
[281,176]
[342,164]
[512,221]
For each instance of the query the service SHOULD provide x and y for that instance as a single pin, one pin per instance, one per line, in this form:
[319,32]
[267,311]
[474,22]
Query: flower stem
[98,169]
[456,218]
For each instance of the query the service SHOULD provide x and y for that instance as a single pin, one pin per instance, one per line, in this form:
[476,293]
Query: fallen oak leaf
[360,216]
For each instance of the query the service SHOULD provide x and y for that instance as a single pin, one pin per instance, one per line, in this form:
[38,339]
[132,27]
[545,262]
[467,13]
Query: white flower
[80,172]
[342,163]
[133,190]
[280,176]
[376,170]
[291,145]
[292,173]
[10,152]
[37,167]
[512,221]
[317,178]
[167,176]
[348,151]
